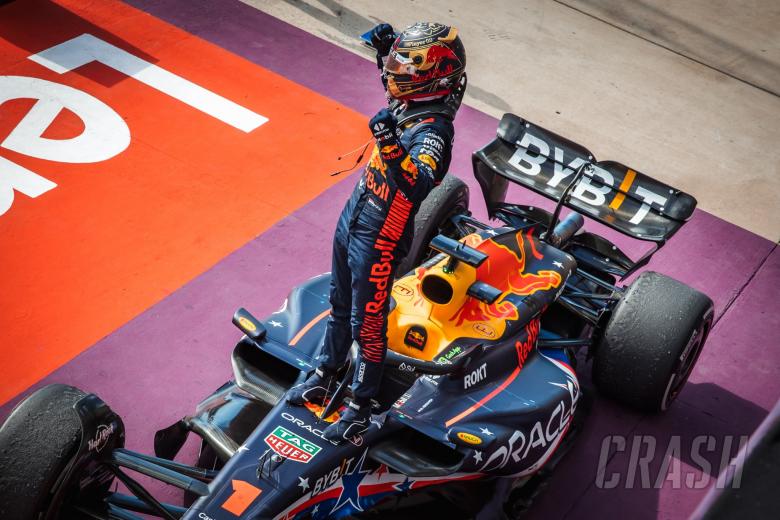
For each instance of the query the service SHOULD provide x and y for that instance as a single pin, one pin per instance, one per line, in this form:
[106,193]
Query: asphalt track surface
[122,279]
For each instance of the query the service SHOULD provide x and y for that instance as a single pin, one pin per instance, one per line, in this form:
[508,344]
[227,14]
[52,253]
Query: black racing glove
[383,126]
[382,38]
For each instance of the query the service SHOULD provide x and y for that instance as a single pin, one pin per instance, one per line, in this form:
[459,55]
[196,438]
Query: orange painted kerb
[115,237]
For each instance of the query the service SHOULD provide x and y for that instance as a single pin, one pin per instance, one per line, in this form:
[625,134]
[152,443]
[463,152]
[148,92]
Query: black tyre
[652,341]
[449,198]
[37,442]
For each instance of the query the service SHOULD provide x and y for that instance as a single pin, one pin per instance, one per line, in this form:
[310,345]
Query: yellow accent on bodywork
[246,324]
[412,308]
[469,438]
[628,180]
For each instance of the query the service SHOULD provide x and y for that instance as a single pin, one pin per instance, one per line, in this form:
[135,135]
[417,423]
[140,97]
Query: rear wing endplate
[609,192]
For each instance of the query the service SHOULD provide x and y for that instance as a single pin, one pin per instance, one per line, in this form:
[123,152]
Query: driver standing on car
[423,71]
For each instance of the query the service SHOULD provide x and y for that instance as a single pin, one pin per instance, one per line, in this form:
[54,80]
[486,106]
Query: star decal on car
[350,483]
[404,486]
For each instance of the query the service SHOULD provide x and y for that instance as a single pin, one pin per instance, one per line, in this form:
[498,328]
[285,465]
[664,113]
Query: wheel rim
[686,362]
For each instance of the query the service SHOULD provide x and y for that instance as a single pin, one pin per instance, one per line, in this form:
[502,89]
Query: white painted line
[15,177]
[87,48]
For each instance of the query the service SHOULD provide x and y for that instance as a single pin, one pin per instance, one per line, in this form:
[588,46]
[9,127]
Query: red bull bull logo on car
[504,269]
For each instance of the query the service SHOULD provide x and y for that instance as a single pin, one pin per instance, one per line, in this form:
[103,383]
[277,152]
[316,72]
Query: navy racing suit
[373,235]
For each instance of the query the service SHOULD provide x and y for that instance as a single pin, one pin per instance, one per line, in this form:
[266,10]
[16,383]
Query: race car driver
[424,78]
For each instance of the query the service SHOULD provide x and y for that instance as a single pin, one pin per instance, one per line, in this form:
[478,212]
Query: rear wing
[609,192]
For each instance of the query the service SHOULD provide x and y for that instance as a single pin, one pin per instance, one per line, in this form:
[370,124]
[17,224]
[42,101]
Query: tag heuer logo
[291,446]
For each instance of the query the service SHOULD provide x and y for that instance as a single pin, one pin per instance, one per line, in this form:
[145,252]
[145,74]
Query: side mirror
[484,292]
[458,252]
[249,325]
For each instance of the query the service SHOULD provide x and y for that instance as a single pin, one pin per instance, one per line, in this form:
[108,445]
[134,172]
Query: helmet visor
[404,62]
[400,63]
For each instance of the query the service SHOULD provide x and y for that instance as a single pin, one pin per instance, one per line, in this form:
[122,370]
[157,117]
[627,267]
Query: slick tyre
[37,442]
[651,342]
[446,200]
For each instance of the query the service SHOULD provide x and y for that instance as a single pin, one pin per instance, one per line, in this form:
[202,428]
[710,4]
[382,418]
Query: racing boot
[314,390]
[355,420]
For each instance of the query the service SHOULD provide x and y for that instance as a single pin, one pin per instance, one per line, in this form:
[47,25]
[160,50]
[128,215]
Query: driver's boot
[354,421]
[314,390]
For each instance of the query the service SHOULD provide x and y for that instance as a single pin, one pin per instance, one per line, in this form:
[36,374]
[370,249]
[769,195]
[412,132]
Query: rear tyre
[651,342]
[37,441]
[446,200]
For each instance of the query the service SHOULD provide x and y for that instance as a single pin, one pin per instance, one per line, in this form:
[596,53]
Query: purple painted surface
[158,366]
[709,253]
[732,388]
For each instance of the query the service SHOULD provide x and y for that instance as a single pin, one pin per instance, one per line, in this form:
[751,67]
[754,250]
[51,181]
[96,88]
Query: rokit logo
[103,433]
[433,145]
[475,377]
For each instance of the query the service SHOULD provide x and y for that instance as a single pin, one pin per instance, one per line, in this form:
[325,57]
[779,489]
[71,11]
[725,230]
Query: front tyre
[651,342]
[37,443]
[446,200]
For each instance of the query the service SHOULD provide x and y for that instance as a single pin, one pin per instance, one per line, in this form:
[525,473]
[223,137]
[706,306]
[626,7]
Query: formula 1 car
[480,395]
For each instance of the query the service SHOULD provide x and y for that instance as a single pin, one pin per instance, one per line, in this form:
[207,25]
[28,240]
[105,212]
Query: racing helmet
[425,62]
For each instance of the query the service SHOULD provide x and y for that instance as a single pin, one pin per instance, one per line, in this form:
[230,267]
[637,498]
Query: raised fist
[383,125]
[382,38]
